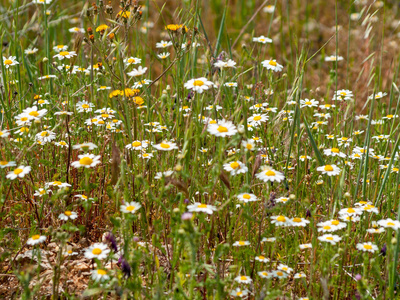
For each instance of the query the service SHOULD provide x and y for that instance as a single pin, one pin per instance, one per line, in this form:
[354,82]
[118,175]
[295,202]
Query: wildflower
[239,293]
[130,207]
[262,39]
[367,247]
[280,220]
[280,274]
[97,250]
[261,258]
[163,44]
[137,72]
[101,28]
[31,51]
[10,61]
[247,197]
[222,128]
[376,230]
[249,145]
[243,279]
[60,48]
[330,170]
[41,1]
[270,240]
[225,64]
[343,95]
[285,268]
[68,215]
[330,226]
[166,146]
[305,246]
[231,84]
[160,175]
[19,172]
[269,9]
[198,84]
[86,160]
[299,222]
[6,164]
[163,55]
[304,157]
[378,96]
[47,77]
[390,117]
[332,239]
[36,239]
[84,146]
[333,58]
[45,136]
[299,275]
[269,174]
[389,223]
[137,145]
[41,192]
[308,103]
[235,167]
[257,119]
[65,54]
[265,274]
[241,243]
[58,184]
[272,65]
[334,152]
[33,113]
[84,106]
[100,275]
[356,211]
[4,133]
[281,200]
[199,207]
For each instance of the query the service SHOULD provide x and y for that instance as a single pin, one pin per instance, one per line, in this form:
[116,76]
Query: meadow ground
[199,149]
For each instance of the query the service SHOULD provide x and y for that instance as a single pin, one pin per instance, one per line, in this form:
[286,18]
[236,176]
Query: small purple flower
[383,250]
[125,267]
[136,239]
[110,238]
[358,277]
[186,216]
[186,201]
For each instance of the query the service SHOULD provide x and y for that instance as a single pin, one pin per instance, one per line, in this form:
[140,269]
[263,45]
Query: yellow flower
[101,28]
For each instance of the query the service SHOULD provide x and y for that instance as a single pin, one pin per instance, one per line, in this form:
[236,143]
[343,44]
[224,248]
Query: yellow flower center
[241,243]
[328,168]
[3,162]
[390,224]
[297,220]
[85,106]
[105,115]
[64,53]
[222,129]
[18,171]
[243,278]
[270,173]
[136,144]
[44,133]
[41,101]
[335,222]
[279,273]
[327,227]
[351,210]
[257,118]
[272,63]
[307,103]
[8,62]
[202,206]
[86,161]
[389,116]
[261,257]
[68,213]
[97,251]
[329,238]
[102,272]
[34,113]
[246,196]
[35,237]
[198,83]
[335,150]
[239,293]
[130,208]
[367,247]
[165,146]
[281,219]
[234,165]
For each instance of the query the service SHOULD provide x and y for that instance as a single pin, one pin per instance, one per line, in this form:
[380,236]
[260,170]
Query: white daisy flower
[235,167]
[243,279]
[19,172]
[262,39]
[199,207]
[367,247]
[269,174]
[198,84]
[100,275]
[222,128]
[68,215]
[272,65]
[166,146]
[329,238]
[330,170]
[36,239]
[10,61]
[130,207]
[247,197]
[97,250]
[87,161]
